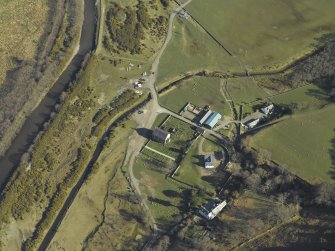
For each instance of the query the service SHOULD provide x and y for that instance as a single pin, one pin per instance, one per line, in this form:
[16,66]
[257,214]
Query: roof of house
[211,208]
[212,120]
[209,159]
[251,123]
[267,105]
[208,207]
[160,133]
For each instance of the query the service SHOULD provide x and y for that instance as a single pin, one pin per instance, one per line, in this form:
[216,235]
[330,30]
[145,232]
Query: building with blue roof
[213,119]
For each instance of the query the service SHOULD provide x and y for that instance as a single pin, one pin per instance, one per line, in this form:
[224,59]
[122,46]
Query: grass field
[265,34]
[244,90]
[200,91]
[309,96]
[184,133]
[159,120]
[189,50]
[302,143]
[163,194]
[20,16]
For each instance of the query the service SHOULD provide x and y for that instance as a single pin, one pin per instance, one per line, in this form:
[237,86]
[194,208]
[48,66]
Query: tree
[253,181]
[325,194]
[163,244]
[263,157]
[165,3]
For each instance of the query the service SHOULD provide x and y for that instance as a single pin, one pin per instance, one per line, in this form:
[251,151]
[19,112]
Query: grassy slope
[88,204]
[302,142]
[264,33]
[191,49]
[311,95]
[200,91]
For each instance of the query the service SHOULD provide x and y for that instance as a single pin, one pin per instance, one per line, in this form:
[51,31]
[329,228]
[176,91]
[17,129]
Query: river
[34,123]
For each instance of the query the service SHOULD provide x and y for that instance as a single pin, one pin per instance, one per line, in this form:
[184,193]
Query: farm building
[205,117]
[211,209]
[209,161]
[213,119]
[267,108]
[161,136]
[250,123]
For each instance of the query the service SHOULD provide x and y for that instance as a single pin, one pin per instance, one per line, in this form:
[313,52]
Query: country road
[136,141]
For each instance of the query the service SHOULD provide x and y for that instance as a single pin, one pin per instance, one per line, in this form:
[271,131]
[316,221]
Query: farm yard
[200,91]
[180,139]
[281,32]
[168,197]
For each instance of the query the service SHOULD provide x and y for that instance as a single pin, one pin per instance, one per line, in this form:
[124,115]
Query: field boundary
[158,152]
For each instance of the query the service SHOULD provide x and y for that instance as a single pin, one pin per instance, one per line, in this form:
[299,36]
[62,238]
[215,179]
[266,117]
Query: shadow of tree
[128,216]
[171,193]
[159,201]
[199,160]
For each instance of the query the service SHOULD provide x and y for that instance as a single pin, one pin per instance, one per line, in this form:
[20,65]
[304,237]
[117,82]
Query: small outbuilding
[211,209]
[209,160]
[161,136]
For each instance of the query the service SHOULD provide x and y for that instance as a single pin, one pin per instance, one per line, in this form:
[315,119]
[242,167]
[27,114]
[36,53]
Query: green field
[199,91]
[266,33]
[153,183]
[184,133]
[302,142]
[309,96]
[245,90]
[159,120]
[190,50]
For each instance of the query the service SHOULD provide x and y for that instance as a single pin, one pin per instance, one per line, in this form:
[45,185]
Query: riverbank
[36,111]
[10,233]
